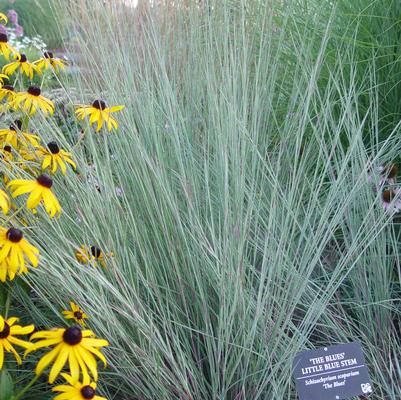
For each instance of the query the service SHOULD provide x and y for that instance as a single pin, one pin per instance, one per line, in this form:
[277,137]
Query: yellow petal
[59,363]
[89,360]
[1,355]
[47,359]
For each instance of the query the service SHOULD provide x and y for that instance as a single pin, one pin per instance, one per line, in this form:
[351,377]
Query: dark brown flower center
[53,147]
[48,54]
[99,104]
[14,235]
[34,90]
[8,87]
[17,124]
[73,335]
[23,58]
[5,332]
[78,314]
[7,148]
[3,38]
[388,196]
[45,180]
[390,171]
[96,252]
[88,392]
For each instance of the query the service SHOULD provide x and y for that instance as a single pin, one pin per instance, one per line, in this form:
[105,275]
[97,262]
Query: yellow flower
[76,313]
[15,137]
[8,333]
[32,100]
[40,192]
[4,201]
[2,77]
[86,254]
[53,157]
[14,249]
[22,65]
[7,92]
[5,48]
[48,61]
[98,112]
[4,18]
[76,390]
[74,345]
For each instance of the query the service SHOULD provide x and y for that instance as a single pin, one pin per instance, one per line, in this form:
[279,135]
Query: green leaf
[6,385]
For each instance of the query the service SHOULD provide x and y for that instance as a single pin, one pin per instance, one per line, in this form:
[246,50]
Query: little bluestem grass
[247,229]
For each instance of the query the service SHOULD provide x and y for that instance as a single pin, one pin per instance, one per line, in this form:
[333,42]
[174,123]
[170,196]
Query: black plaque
[332,373]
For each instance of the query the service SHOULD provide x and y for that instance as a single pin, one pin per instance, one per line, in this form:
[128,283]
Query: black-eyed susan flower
[40,193]
[49,61]
[76,390]
[7,93]
[78,347]
[15,137]
[4,201]
[3,18]
[22,65]
[98,112]
[54,157]
[14,250]
[76,313]
[5,48]
[32,100]
[8,333]
[92,254]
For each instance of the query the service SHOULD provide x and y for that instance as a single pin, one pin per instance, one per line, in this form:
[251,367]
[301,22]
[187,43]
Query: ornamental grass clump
[247,228]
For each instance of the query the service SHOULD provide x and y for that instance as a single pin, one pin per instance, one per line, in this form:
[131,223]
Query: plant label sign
[332,373]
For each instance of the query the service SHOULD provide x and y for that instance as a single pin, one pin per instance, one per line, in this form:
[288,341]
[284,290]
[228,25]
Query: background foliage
[38,17]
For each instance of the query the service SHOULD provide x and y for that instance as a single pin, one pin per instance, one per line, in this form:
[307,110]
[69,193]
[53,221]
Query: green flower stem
[81,138]
[20,80]
[42,80]
[15,213]
[3,297]
[8,301]
[25,122]
[19,395]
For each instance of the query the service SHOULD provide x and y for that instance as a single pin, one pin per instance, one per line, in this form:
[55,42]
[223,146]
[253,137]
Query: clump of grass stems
[247,230]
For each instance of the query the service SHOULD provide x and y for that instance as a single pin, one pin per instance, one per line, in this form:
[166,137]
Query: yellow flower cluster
[73,346]
[29,168]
